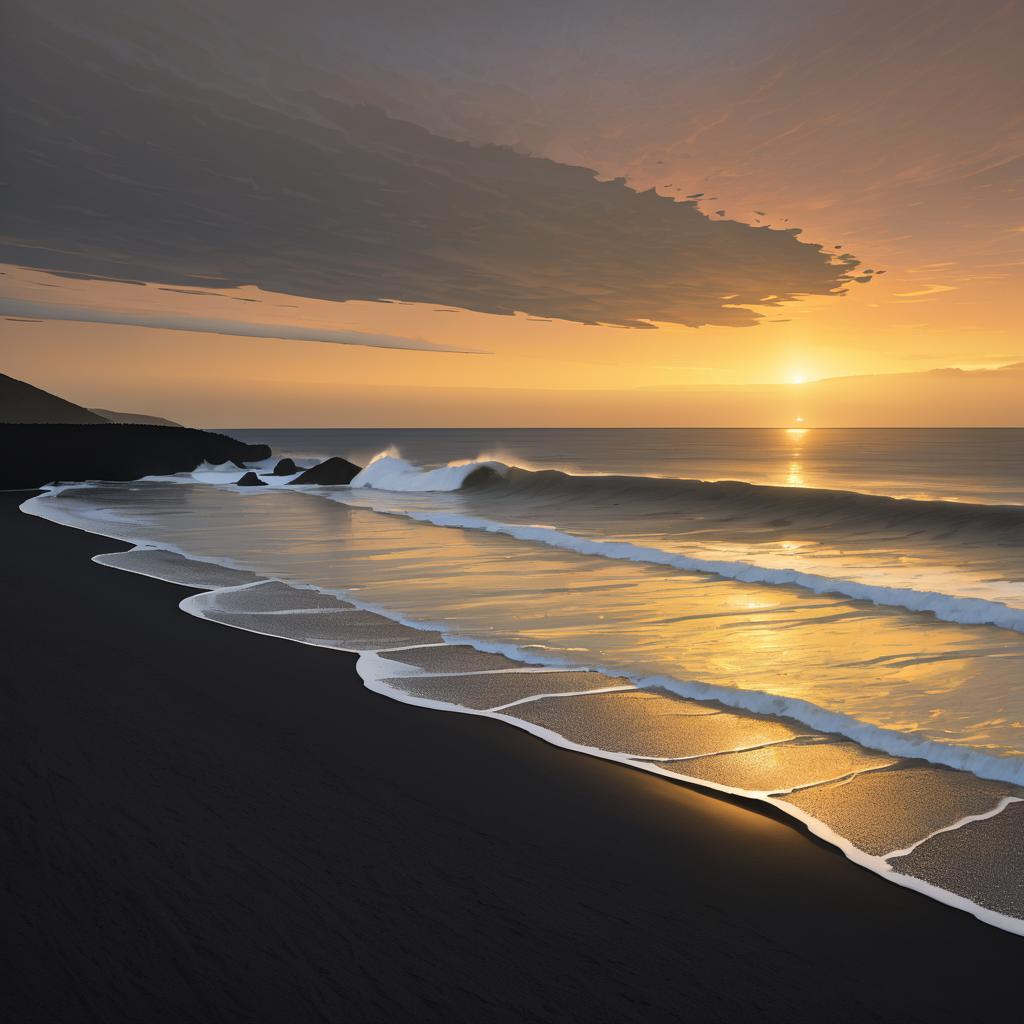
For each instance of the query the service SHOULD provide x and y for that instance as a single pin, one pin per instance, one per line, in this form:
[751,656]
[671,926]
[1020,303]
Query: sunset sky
[292,217]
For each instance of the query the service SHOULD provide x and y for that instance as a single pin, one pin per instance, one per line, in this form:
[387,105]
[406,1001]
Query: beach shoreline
[213,825]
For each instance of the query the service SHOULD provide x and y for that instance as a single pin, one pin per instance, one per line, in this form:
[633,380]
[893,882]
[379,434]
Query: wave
[390,472]
[839,507]
[737,503]
[972,611]
[387,471]
[741,503]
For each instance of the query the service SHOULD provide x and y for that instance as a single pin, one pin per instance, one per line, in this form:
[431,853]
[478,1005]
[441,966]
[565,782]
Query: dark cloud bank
[130,153]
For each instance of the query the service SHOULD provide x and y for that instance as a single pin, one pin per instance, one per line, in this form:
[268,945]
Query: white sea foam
[389,472]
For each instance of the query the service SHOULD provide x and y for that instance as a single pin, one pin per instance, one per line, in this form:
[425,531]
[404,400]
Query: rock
[250,480]
[36,453]
[333,471]
[284,468]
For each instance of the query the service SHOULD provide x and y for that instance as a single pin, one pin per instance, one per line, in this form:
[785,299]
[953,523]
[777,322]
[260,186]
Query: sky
[592,213]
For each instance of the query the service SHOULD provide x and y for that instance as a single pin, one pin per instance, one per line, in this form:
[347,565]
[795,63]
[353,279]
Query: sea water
[829,620]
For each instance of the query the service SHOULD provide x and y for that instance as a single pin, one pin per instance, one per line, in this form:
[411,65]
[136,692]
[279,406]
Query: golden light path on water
[798,438]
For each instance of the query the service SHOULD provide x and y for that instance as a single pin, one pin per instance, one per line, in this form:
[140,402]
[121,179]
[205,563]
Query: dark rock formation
[284,468]
[250,480]
[38,453]
[333,471]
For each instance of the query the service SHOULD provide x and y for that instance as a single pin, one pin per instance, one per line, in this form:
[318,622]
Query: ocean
[828,620]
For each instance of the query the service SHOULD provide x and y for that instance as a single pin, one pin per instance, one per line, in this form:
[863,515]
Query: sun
[797,378]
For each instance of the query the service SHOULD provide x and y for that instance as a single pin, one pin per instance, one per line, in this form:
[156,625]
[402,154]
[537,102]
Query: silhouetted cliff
[39,453]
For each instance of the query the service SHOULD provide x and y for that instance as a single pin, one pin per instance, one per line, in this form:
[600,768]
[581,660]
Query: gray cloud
[25,309]
[149,161]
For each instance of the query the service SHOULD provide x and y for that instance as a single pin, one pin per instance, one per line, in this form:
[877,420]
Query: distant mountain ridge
[134,417]
[21,402]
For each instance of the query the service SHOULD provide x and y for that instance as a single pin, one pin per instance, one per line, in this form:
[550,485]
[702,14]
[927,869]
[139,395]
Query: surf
[489,481]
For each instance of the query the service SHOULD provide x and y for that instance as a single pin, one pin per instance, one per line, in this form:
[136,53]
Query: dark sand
[201,824]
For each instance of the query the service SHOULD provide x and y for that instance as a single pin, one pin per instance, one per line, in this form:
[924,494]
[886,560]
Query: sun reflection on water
[797,437]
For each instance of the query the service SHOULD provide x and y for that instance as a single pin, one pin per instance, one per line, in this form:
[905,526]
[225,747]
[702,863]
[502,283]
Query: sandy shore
[205,825]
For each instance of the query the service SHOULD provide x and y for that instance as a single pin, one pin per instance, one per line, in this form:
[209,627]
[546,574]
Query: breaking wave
[844,512]
[389,472]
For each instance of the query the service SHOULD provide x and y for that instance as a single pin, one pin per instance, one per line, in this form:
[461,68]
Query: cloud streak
[27,309]
[123,162]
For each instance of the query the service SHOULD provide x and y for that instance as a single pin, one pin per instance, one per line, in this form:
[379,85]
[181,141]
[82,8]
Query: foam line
[991,813]
[575,693]
[737,750]
[842,777]
[521,670]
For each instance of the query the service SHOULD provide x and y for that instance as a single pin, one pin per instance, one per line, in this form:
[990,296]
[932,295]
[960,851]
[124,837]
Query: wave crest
[388,471]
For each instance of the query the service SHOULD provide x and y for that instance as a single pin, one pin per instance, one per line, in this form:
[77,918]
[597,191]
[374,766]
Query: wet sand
[202,824]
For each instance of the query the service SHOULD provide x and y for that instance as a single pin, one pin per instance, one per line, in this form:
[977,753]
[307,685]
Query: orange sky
[899,142]
[237,381]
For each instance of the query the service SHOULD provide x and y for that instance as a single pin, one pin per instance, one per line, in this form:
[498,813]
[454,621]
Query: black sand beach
[201,824]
